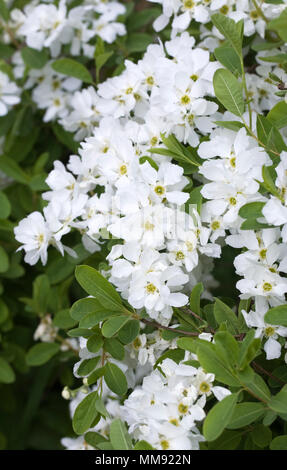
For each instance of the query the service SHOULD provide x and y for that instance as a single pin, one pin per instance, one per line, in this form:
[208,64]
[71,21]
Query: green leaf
[228,440]
[129,331]
[227,347]
[85,414]
[223,313]
[219,417]
[105,446]
[195,198]
[176,355]
[263,128]
[5,206]
[278,114]
[4,11]
[41,353]
[232,125]
[211,362]
[7,375]
[228,91]
[77,332]
[254,384]
[194,299]
[12,169]
[277,315]
[94,438]
[261,435]
[114,348]
[95,343]
[228,57]
[33,58]
[276,59]
[87,366]
[101,59]
[140,18]
[119,436]
[230,30]
[248,349]
[138,42]
[143,445]
[278,402]
[252,224]
[72,68]
[246,413]
[94,318]
[275,143]
[96,285]
[94,377]
[65,137]
[63,320]
[115,379]
[83,307]
[252,210]
[41,291]
[113,325]
[279,443]
[4,260]
[268,181]
[279,25]
[4,312]
[189,344]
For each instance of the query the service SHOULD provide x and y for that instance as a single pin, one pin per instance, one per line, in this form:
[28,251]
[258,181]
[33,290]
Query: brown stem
[266,372]
[161,327]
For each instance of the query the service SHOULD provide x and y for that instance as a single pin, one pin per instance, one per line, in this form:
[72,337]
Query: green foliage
[119,436]
[277,315]
[72,68]
[85,414]
[115,379]
[41,353]
[219,417]
[229,91]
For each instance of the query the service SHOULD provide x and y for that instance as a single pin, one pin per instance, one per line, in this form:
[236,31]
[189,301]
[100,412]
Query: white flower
[9,94]
[35,235]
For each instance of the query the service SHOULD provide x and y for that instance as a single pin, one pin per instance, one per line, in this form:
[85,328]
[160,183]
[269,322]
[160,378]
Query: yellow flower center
[150,288]
[174,421]
[269,331]
[183,409]
[159,190]
[150,80]
[137,343]
[179,256]
[267,287]
[262,254]
[215,225]
[164,444]
[185,99]
[123,170]
[149,226]
[224,9]
[204,387]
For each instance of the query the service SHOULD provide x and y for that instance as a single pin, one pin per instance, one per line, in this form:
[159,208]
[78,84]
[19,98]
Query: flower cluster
[143,198]
[165,409]
[43,25]
[184,11]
